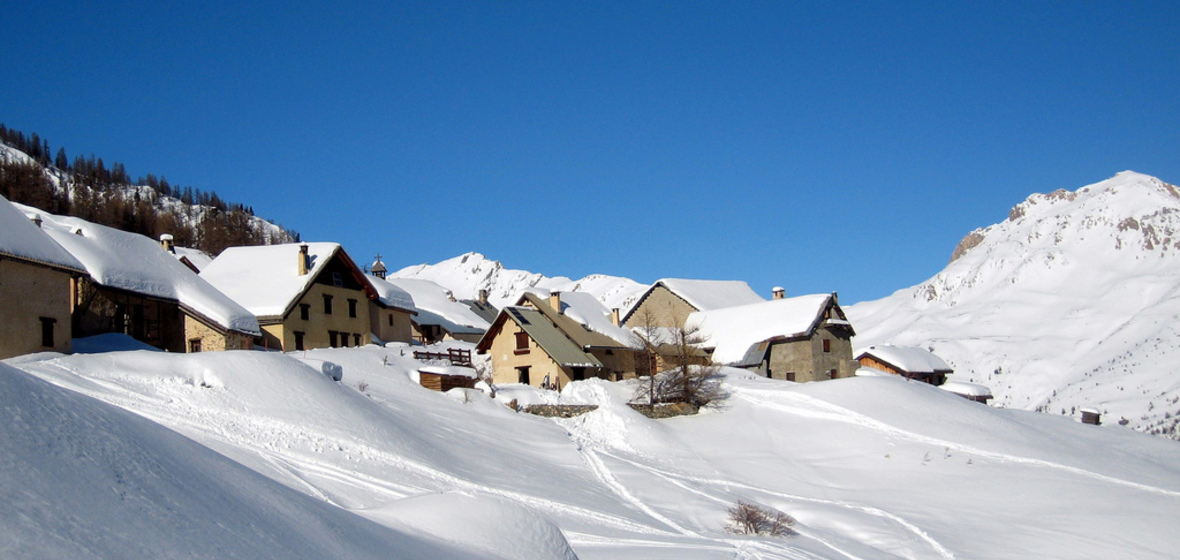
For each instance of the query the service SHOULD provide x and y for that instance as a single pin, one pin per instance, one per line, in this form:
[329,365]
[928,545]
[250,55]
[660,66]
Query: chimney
[36,220]
[303,259]
[167,243]
[779,292]
[555,301]
[450,295]
[835,298]
[614,316]
[483,297]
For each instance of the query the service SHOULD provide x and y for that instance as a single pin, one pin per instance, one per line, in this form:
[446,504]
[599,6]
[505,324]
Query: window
[332,339]
[832,374]
[351,307]
[47,331]
[344,340]
[390,319]
[522,375]
[579,373]
[299,341]
[305,311]
[827,345]
[356,340]
[790,375]
[336,279]
[327,304]
[522,342]
[194,345]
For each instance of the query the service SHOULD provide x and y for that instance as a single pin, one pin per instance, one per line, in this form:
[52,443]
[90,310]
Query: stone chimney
[303,259]
[835,298]
[483,297]
[36,220]
[555,301]
[167,243]
[778,292]
[614,316]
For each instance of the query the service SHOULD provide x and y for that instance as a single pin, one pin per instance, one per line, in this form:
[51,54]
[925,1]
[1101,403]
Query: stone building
[669,302]
[804,338]
[36,277]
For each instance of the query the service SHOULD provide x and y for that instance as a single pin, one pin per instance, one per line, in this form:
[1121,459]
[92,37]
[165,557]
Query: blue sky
[819,146]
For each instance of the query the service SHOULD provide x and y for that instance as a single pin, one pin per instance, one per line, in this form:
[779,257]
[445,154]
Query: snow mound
[82,479]
[492,528]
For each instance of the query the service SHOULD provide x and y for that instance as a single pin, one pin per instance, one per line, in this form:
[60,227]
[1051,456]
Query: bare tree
[746,518]
[688,376]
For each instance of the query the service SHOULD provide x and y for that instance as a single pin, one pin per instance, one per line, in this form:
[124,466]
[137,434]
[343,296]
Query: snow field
[870,467]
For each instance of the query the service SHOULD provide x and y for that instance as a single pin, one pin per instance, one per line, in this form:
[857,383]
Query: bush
[746,518]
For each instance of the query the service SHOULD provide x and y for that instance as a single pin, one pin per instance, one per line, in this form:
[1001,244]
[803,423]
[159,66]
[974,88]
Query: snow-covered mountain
[1072,301]
[466,274]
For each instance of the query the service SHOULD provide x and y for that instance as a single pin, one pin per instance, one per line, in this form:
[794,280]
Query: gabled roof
[736,333]
[703,295]
[583,319]
[21,239]
[436,306]
[391,295]
[265,279]
[547,335]
[910,359]
[128,261]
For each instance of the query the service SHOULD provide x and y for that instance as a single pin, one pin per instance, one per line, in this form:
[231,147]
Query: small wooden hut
[445,378]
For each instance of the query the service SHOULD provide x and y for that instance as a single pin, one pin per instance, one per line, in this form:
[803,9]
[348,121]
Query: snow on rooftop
[450,370]
[435,299]
[586,309]
[966,389]
[731,331]
[19,237]
[265,279]
[707,295]
[132,262]
[909,358]
[391,294]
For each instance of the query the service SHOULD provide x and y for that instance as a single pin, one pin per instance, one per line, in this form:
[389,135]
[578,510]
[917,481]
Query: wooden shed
[445,378]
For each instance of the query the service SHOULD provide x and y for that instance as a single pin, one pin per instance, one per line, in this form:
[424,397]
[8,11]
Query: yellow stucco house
[305,295]
[553,339]
[36,277]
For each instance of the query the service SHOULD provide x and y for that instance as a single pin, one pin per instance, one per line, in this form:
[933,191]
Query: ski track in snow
[296,467]
[824,410]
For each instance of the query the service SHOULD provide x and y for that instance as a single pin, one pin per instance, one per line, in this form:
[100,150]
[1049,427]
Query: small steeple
[378,269]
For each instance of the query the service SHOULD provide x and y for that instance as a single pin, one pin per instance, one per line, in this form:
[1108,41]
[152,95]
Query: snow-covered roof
[910,359]
[197,257]
[435,300]
[591,314]
[132,262]
[966,389]
[450,370]
[390,294]
[20,238]
[707,295]
[265,279]
[733,331]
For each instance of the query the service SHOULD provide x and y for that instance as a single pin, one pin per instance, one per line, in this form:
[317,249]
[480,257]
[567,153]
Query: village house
[804,338]
[391,313]
[549,340]
[669,301]
[32,264]
[134,287]
[910,362]
[441,317]
[305,295]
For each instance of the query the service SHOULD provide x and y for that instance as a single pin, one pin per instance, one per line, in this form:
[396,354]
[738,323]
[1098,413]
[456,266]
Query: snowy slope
[870,467]
[83,479]
[466,274]
[1072,301]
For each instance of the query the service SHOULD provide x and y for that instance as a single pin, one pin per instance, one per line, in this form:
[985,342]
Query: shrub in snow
[746,518]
